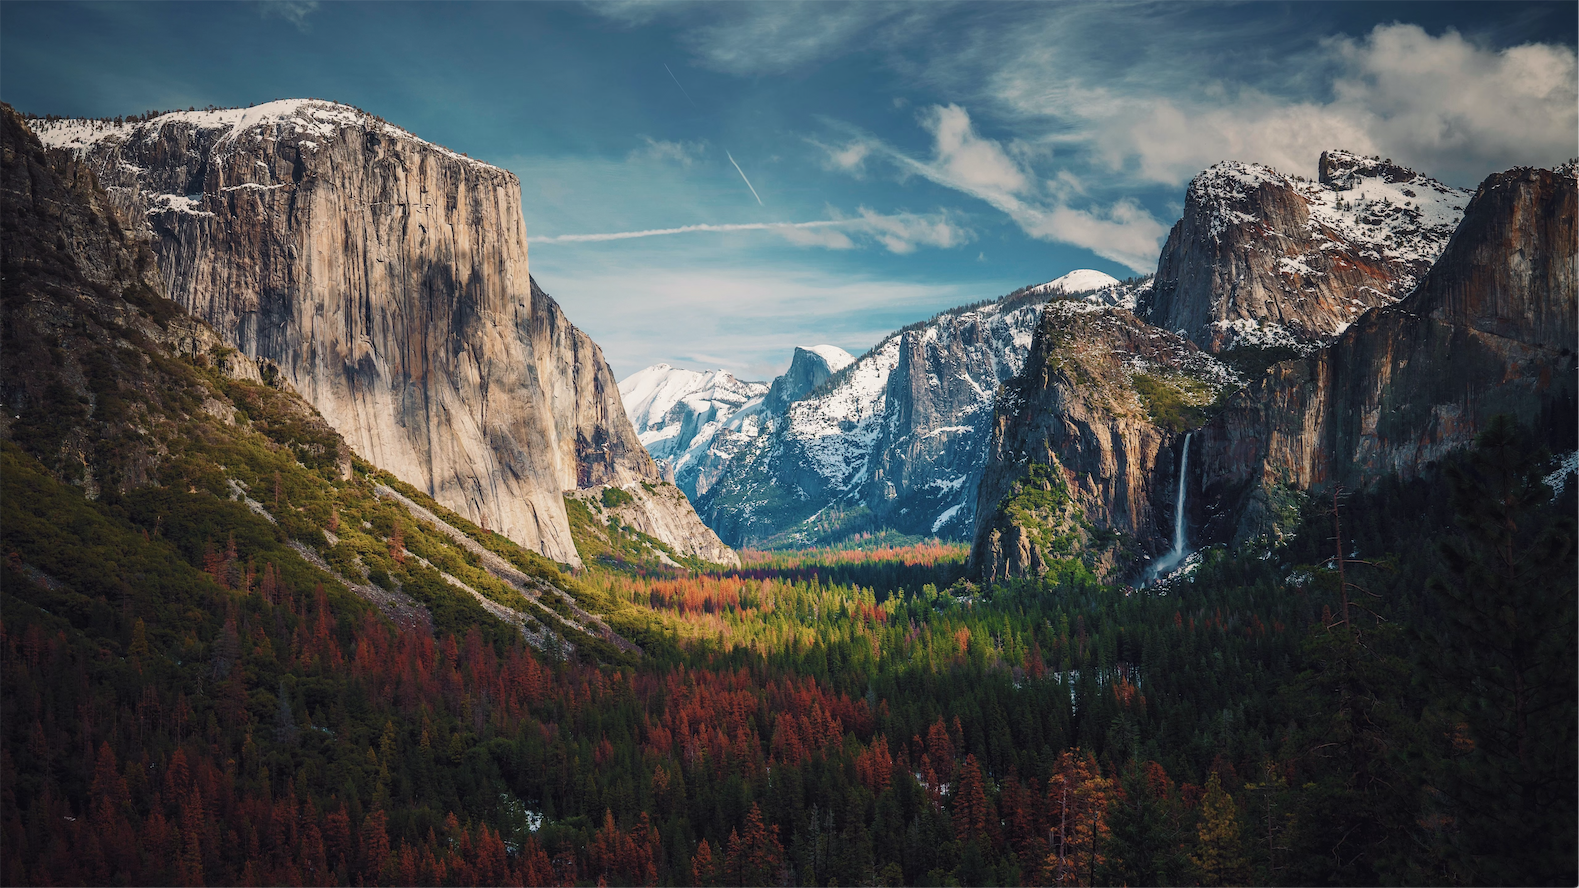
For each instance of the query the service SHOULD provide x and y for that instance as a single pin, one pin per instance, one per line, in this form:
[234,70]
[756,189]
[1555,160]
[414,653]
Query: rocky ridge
[386,280]
[1491,329]
[1079,440]
[1261,259]
[896,440]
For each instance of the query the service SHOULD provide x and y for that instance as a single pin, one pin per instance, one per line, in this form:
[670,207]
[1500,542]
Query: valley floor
[186,701]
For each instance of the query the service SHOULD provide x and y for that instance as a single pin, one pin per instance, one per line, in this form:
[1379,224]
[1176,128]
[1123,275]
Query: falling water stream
[1171,560]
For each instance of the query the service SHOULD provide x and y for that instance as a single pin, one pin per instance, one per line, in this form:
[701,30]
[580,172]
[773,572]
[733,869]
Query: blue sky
[947,152]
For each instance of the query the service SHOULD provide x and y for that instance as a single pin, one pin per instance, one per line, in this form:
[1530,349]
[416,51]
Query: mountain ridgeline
[1377,386]
[234,650]
[892,441]
[385,279]
[1314,333]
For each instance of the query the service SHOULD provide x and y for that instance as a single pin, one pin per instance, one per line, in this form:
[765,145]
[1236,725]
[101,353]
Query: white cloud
[293,11]
[966,158]
[851,158]
[747,321]
[1441,104]
[1456,106]
[965,161]
[660,151]
[776,38]
[903,232]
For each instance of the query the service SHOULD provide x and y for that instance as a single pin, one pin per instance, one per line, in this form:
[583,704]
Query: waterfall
[1171,560]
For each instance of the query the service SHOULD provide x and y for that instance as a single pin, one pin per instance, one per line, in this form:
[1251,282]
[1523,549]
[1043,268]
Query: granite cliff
[896,440]
[385,279]
[1262,259]
[1491,329]
[1080,440]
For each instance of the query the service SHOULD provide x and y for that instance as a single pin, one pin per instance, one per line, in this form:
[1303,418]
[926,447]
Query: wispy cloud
[293,11]
[1213,84]
[687,229]
[966,162]
[1440,103]
[897,233]
[745,320]
[659,150]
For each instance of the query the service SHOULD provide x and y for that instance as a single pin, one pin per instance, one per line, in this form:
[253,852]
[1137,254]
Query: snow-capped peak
[836,357]
[1081,280]
[649,394]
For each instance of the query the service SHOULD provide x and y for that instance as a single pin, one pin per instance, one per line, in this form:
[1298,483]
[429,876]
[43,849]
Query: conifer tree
[1219,858]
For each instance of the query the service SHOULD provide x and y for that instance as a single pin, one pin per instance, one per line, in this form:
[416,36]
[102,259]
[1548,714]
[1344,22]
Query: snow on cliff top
[836,357]
[308,117]
[1374,204]
[1080,280]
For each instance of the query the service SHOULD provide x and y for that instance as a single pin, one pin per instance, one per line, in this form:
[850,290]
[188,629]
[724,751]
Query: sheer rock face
[1264,259]
[387,278]
[809,368]
[1490,330]
[1079,461]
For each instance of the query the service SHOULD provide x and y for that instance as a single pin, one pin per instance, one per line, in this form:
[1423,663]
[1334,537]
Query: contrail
[682,89]
[685,229]
[726,151]
[743,176]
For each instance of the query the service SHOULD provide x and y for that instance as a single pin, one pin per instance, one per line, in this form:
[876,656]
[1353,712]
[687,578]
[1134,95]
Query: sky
[711,184]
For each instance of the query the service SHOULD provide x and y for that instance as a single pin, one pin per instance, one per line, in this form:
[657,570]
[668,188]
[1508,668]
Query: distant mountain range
[941,427]
[894,440]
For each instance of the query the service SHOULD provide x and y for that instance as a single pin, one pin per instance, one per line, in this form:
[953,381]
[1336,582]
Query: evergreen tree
[1504,658]
[1219,857]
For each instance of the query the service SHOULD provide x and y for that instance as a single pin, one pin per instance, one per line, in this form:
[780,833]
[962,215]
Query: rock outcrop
[661,511]
[1490,330]
[79,286]
[1081,441]
[809,368]
[386,279]
[1263,259]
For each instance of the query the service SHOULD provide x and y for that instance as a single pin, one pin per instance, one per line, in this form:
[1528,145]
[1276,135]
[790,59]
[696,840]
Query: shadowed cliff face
[1490,330]
[1264,259]
[1083,441]
[387,278]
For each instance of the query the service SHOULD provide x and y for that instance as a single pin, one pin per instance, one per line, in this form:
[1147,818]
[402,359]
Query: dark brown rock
[1264,259]
[1490,330]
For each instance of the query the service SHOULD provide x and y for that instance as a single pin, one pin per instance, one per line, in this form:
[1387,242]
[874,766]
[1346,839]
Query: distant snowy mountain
[677,411]
[1260,258]
[893,440]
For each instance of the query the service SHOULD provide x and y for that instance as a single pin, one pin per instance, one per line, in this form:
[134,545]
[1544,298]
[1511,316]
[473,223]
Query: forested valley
[186,702]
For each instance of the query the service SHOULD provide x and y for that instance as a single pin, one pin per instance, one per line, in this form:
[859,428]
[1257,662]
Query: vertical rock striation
[1263,259]
[1490,330]
[387,280]
[1083,441]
